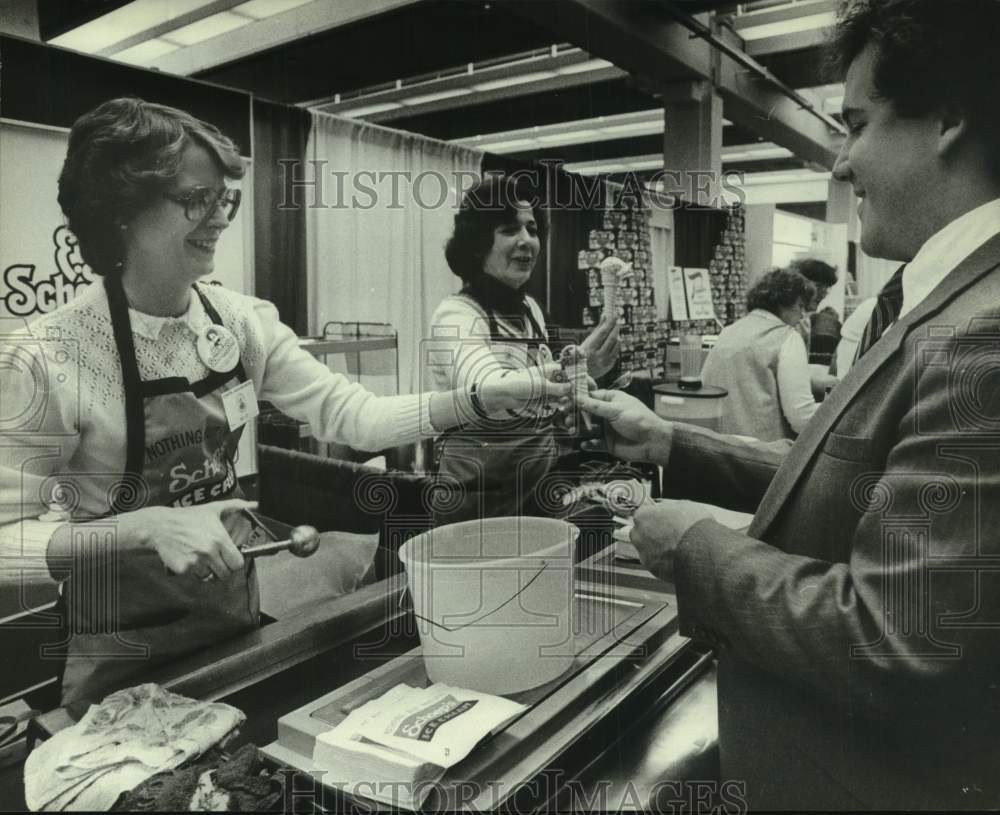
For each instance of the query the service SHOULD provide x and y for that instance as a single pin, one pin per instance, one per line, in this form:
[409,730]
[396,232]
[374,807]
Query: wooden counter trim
[241,662]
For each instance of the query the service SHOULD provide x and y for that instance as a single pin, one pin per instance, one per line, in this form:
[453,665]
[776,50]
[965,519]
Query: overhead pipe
[702,31]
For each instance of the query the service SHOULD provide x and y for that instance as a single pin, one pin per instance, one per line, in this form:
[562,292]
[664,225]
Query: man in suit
[857,622]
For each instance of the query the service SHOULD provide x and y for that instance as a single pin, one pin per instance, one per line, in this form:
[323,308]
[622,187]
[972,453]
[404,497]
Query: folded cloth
[210,784]
[132,735]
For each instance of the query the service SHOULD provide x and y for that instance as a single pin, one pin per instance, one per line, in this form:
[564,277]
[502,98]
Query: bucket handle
[406,592]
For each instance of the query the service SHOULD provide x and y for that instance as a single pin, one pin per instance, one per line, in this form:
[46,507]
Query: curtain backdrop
[378,215]
[280,133]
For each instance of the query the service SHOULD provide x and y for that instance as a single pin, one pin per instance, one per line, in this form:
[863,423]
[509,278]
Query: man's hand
[659,527]
[630,427]
[602,346]
[189,540]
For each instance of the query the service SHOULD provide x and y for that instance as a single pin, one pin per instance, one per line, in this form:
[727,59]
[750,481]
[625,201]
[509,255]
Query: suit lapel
[974,267]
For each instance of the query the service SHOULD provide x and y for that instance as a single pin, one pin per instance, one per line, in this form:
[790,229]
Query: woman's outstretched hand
[529,389]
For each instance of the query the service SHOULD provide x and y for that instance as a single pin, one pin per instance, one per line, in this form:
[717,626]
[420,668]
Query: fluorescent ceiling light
[368,110]
[570,137]
[834,104]
[635,128]
[647,164]
[594,169]
[207,27]
[520,79]
[506,146]
[262,9]
[145,52]
[786,178]
[124,23]
[794,26]
[424,98]
[762,153]
[583,67]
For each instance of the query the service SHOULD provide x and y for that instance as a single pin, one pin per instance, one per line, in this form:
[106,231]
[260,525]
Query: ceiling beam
[641,38]
[797,41]
[167,25]
[303,21]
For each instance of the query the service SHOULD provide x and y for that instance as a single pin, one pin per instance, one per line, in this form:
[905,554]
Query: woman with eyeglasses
[149,378]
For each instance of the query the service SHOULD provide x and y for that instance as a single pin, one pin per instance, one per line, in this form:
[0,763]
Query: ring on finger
[207,578]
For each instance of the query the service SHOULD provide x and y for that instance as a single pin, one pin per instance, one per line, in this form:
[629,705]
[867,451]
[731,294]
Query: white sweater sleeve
[794,388]
[335,408]
[458,350]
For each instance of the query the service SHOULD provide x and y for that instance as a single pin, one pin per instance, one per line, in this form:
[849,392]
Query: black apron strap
[135,418]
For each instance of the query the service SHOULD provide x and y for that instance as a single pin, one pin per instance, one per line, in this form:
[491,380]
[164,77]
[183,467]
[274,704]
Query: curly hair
[815,271]
[778,289]
[122,156]
[931,55]
[492,203]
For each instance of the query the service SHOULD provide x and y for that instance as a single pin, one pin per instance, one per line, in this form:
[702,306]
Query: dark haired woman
[488,330]
[761,360]
[149,380]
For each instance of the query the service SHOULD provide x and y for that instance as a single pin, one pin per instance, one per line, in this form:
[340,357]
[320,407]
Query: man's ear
[954,128]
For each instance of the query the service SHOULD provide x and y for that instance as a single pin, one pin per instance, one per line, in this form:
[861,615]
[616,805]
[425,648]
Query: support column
[841,207]
[692,142]
[841,215]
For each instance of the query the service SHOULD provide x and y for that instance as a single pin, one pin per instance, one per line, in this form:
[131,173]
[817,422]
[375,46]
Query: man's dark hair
[932,54]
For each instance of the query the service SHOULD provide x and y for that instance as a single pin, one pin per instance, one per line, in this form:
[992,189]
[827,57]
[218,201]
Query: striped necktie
[885,313]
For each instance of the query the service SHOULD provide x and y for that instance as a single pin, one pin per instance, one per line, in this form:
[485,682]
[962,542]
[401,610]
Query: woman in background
[125,487]
[761,360]
[489,330]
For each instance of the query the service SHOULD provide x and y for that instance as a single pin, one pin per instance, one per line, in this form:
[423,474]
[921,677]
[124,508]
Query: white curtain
[376,229]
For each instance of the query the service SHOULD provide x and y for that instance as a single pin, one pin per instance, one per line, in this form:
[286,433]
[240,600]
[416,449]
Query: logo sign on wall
[29,289]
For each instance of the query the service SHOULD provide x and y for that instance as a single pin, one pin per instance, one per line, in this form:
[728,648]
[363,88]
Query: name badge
[218,348]
[240,404]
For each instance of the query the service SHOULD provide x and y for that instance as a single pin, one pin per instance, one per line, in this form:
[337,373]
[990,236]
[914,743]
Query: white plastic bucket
[493,600]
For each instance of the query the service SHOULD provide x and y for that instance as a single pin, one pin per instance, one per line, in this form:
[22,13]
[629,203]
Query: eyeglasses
[200,202]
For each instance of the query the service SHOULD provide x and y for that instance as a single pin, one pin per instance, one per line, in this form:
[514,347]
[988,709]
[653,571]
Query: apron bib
[180,453]
[498,471]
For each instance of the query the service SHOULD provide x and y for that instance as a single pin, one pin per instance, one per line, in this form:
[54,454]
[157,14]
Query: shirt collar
[150,325]
[945,250]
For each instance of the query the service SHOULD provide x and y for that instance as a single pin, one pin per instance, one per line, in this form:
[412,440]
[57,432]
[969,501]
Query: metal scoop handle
[302,542]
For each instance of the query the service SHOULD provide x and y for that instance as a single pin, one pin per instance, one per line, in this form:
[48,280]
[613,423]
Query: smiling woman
[491,330]
[149,379]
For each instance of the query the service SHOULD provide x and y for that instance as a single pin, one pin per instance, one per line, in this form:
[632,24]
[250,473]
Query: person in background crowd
[855,621]
[821,327]
[761,360]
[491,327]
[850,337]
[148,380]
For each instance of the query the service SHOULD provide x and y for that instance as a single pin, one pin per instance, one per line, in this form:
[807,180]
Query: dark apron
[496,470]
[134,616]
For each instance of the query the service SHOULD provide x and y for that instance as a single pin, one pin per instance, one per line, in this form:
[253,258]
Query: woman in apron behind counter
[148,379]
[489,330]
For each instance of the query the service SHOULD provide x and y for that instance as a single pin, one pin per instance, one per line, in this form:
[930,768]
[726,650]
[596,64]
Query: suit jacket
[858,621]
